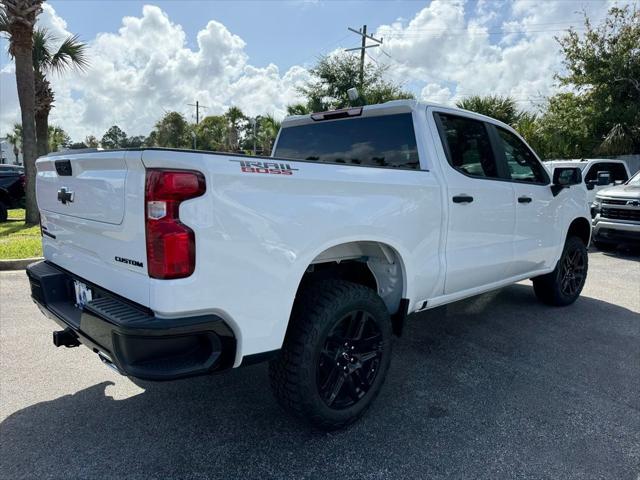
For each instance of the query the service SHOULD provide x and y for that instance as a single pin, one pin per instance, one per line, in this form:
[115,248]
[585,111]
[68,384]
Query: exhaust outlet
[66,338]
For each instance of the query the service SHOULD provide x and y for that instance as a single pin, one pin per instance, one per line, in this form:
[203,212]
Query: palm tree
[234,116]
[269,128]
[495,106]
[17,19]
[15,139]
[71,54]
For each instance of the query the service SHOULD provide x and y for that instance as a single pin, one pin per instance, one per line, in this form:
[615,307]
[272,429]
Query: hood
[621,191]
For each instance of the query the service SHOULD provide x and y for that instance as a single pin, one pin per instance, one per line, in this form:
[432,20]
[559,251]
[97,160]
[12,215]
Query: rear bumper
[130,336]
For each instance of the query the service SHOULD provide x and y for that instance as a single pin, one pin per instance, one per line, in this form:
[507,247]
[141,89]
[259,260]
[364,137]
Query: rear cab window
[386,141]
[467,146]
[616,170]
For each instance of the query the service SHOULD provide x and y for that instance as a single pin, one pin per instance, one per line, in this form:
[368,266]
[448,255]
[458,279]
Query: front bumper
[615,231]
[130,336]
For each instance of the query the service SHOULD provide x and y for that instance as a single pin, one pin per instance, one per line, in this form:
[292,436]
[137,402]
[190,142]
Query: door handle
[462,199]
[524,199]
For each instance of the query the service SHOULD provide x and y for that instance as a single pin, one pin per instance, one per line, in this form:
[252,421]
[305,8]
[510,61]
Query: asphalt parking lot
[497,386]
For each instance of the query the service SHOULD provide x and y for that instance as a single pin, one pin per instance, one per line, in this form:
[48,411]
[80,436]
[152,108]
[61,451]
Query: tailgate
[92,215]
[88,186]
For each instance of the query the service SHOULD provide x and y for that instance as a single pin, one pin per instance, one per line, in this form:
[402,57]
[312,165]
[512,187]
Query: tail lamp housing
[171,245]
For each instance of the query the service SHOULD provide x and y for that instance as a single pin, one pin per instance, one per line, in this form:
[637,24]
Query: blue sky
[151,57]
[285,32]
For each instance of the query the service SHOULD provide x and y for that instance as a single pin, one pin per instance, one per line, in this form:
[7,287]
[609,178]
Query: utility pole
[363,33]
[193,134]
[198,107]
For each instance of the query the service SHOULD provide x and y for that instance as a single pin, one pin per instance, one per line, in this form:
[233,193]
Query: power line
[198,107]
[363,47]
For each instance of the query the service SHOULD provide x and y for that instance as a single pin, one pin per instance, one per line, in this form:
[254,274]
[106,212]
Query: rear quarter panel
[257,233]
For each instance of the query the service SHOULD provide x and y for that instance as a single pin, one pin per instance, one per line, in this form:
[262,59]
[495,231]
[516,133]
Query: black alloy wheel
[573,273]
[349,361]
[335,355]
[563,285]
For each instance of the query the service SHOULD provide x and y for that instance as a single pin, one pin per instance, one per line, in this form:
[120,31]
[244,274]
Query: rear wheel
[3,212]
[335,356]
[563,286]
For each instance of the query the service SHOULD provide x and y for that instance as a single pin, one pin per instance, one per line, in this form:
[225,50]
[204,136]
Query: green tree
[58,139]
[297,109]
[172,131]
[603,66]
[70,54]
[237,122]
[115,137]
[335,74]
[267,131]
[135,142]
[17,20]
[151,140]
[91,142]
[566,127]
[494,106]
[529,126]
[212,133]
[15,139]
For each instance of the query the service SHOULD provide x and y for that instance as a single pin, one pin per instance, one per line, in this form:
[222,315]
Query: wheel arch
[581,228]
[373,263]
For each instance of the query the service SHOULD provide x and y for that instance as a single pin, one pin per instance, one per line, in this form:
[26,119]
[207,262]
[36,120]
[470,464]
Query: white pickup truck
[170,263]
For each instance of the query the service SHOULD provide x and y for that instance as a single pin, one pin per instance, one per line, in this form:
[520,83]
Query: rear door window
[467,145]
[385,141]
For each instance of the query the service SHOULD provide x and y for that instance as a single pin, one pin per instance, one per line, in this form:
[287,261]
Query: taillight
[23,180]
[171,245]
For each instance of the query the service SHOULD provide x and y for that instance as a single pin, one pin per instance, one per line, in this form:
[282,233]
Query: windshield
[635,180]
[383,141]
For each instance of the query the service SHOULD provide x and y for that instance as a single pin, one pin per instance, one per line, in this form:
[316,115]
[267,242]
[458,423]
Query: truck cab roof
[388,108]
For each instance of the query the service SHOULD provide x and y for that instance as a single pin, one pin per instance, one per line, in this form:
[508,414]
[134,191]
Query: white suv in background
[597,173]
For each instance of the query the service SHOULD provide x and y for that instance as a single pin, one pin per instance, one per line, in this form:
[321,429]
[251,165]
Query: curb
[17,264]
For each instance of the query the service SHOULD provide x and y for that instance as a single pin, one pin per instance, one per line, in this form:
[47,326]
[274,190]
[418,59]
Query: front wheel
[335,355]
[563,286]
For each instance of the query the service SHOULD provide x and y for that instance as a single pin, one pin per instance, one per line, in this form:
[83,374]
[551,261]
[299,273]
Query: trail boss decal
[274,168]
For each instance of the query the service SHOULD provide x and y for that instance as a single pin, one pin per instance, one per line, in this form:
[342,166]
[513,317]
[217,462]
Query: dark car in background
[11,189]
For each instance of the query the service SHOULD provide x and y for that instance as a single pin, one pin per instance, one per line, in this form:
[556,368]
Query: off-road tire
[562,286]
[319,309]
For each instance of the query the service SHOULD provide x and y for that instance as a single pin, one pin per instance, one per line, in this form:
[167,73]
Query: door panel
[481,206]
[535,238]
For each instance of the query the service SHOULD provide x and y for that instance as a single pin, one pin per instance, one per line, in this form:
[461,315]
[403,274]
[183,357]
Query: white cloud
[448,50]
[455,43]
[433,92]
[146,69]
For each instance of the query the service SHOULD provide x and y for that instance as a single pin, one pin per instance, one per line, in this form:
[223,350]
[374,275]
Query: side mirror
[591,184]
[564,177]
[604,178]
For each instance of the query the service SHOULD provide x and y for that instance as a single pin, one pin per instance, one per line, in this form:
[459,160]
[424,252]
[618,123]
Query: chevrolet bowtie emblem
[65,196]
